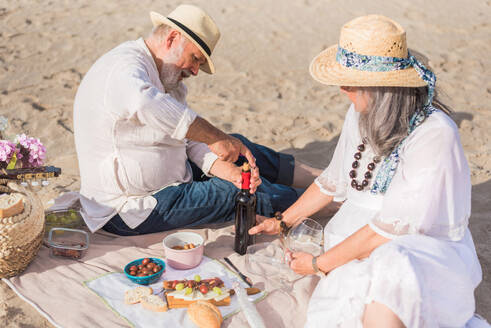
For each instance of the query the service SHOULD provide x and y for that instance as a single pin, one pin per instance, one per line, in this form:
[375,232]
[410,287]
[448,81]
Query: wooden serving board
[176,303]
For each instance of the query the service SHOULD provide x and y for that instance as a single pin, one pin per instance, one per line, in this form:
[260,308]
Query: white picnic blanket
[111,287]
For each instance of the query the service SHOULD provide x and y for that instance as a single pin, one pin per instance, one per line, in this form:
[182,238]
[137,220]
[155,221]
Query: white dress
[427,273]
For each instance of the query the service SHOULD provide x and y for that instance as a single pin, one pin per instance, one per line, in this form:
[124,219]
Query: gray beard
[169,76]
[170,73]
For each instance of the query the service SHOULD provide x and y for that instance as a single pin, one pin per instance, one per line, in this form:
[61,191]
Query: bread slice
[205,314]
[135,295]
[176,303]
[11,204]
[154,303]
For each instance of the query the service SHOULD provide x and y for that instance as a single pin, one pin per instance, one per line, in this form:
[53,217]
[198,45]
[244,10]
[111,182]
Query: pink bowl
[186,258]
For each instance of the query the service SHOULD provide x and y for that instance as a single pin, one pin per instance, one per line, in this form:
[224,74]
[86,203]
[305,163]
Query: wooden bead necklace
[370,167]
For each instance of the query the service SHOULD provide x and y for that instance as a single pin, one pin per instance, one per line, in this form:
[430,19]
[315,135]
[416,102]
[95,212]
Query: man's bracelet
[284,228]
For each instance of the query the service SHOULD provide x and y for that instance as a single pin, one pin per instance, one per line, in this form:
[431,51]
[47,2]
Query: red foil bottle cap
[246,176]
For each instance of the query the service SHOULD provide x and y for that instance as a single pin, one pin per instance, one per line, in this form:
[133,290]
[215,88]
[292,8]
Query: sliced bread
[11,204]
[154,303]
[135,295]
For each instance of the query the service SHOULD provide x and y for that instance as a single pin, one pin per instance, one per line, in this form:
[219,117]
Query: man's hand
[229,148]
[227,171]
[301,263]
[226,147]
[231,172]
[268,226]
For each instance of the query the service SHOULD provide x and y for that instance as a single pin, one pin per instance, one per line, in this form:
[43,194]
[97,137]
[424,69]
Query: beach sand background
[262,88]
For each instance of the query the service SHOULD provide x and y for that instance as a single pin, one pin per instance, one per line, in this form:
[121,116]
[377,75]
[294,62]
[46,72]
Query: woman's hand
[268,226]
[301,263]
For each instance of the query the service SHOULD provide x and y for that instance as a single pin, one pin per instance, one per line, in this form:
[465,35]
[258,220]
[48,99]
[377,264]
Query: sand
[261,89]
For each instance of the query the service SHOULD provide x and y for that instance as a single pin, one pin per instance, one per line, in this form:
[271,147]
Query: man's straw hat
[371,35]
[197,26]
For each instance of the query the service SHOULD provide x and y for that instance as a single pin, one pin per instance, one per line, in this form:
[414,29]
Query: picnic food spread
[199,295]
[182,293]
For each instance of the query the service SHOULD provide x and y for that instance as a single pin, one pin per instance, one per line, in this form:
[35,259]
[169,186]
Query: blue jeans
[211,200]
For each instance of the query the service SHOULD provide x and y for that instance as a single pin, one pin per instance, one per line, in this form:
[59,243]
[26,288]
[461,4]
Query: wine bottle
[245,213]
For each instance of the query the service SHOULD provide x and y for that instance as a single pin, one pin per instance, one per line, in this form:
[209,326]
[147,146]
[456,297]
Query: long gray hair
[386,121]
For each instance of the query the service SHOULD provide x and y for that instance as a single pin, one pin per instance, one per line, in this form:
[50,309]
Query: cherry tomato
[203,289]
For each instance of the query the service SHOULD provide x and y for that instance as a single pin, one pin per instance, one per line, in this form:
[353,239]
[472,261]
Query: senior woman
[398,252]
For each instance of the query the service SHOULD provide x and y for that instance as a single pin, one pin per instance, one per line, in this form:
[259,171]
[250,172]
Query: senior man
[147,162]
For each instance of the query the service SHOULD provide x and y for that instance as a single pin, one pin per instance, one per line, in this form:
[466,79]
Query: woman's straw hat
[197,26]
[371,35]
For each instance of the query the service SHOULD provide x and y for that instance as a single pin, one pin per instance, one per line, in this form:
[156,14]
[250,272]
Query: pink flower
[7,150]
[31,150]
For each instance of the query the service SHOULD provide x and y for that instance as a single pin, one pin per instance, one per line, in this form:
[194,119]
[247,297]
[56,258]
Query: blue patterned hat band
[385,64]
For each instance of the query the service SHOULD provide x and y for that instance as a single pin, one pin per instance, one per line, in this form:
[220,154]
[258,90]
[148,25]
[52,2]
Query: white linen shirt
[130,137]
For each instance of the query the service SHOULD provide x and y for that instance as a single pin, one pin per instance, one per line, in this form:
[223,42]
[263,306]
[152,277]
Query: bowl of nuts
[145,271]
[183,250]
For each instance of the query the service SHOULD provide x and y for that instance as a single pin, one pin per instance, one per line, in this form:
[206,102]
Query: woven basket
[21,235]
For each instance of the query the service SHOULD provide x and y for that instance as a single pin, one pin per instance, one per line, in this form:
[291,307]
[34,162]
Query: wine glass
[307,236]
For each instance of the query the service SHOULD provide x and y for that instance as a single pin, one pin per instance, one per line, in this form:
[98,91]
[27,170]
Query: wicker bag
[21,235]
